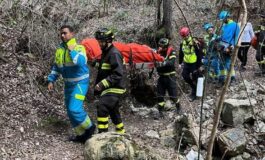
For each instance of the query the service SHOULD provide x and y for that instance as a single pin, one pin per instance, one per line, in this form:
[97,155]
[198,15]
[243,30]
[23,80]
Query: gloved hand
[94,63]
[201,69]
[181,66]
[159,64]
[99,87]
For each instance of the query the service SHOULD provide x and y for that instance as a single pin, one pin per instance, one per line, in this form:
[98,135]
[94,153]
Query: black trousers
[109,106]
[167,83]
[260,57]
[190,76]
[243,53]
[260,53]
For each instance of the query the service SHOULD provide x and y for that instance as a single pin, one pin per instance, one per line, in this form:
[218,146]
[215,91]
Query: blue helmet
[223,14]
[206,26]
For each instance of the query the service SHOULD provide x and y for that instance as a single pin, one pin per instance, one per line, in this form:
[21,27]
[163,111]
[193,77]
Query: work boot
[76,139]
[261,72]
[192,97]
[242,68]
[220,84]
[82,139]
[177,105]
[89,132]
[161,110]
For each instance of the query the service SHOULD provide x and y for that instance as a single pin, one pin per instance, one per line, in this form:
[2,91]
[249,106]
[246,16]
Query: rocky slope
[33,121]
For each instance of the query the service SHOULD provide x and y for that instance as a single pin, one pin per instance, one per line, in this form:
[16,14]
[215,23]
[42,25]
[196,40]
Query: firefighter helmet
[104,34]
[163,42]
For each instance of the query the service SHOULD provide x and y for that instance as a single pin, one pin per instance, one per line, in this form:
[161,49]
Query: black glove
[99,87]
[94,63]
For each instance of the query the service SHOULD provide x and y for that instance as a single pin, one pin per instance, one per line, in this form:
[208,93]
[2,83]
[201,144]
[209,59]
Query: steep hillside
[33,121]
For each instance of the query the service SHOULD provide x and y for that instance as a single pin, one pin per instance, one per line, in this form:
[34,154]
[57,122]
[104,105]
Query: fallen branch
[224,89]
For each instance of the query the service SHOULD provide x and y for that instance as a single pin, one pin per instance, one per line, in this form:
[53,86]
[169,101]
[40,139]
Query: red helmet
[184,31]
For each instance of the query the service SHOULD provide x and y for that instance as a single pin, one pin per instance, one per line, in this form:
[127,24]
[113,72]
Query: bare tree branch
[227,82]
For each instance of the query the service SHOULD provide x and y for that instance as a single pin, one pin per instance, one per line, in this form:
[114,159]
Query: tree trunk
[227,82]
[167,18]
[158,15]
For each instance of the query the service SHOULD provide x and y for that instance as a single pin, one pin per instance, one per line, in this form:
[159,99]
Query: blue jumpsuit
[212,56]
[229,37]
[75,72]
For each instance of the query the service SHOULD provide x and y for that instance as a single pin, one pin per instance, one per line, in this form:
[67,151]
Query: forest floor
[35,126]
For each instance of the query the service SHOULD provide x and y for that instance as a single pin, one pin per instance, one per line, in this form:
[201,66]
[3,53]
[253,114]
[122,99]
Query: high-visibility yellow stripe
[170,57]
[120,125]
[79,97]
[105,66]
[103,119]
[223,72]
[122,131]
[161,104]
[105,83]
[261,62]
[167,74]
[114,90]
[103,126]
[80,129]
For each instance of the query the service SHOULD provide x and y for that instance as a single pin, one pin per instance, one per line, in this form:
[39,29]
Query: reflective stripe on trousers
[225,67]
[77,78]
[74,97]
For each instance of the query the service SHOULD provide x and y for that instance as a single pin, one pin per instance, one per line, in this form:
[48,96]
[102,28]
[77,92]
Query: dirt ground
[35,126]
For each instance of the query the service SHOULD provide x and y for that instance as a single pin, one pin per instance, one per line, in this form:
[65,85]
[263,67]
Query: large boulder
[232,142]
[236,112]
[111,146]
[186,127]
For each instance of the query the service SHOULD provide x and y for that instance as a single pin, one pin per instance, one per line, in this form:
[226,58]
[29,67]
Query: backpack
[254,42]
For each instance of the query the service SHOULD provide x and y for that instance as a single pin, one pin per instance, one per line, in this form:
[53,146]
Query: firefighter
[260,33]
[191,55]
[71,63]
[167,75]
[227,41]
[109,82]
[211,53]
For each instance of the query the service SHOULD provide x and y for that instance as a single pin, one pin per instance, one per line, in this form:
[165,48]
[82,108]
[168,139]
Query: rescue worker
[260,33]
[226,44]
[211,52]
[190,53]
[109,82]
[167,75]
[71,63]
